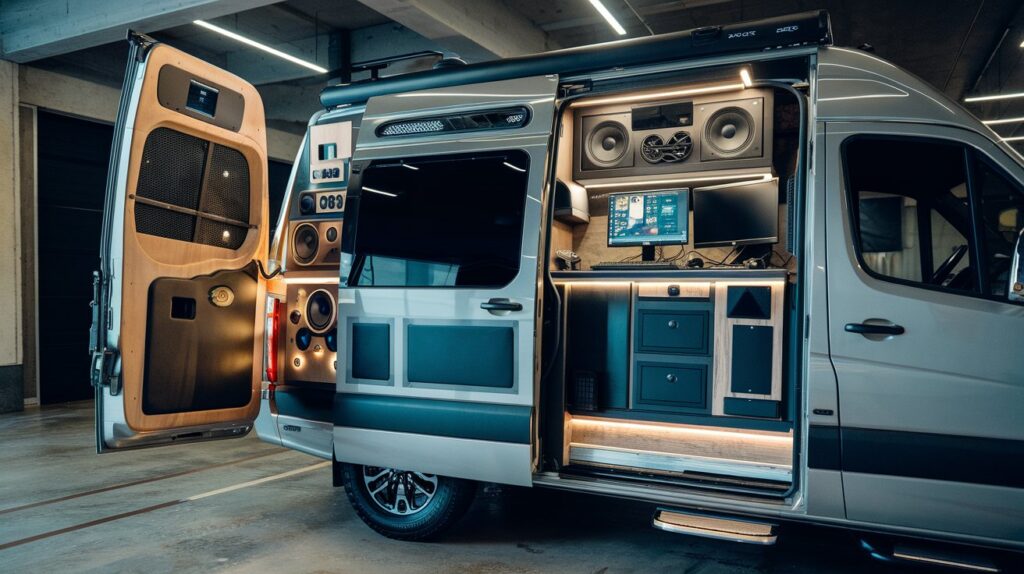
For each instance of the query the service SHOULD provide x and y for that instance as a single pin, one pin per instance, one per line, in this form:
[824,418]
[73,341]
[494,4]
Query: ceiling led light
[1003,121]
[1013,139]
[608,17]
[745,76]
[994,97]
[259,46]
[379,192]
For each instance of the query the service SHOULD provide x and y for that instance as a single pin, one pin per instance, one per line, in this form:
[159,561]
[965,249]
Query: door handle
[501,304]
[873,329]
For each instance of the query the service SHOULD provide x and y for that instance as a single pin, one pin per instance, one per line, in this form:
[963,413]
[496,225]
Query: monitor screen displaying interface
[736,214]
[649,218]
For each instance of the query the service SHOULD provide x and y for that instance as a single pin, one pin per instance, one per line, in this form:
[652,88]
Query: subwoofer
[732,130]
[315,242]
[606,142]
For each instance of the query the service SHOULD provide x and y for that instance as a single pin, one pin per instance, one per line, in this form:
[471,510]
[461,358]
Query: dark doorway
[72,174]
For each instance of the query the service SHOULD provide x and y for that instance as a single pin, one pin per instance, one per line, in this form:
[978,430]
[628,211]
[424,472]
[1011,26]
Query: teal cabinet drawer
[677,332]
[671,386]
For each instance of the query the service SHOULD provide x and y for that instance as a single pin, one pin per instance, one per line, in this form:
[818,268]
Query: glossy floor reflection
[65,509]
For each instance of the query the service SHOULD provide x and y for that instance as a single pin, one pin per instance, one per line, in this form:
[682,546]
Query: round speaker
[729,131]
[320,311]
[607,143]
[305,243]
[650,149]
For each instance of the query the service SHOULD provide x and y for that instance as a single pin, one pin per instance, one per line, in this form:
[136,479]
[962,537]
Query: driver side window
[910,212]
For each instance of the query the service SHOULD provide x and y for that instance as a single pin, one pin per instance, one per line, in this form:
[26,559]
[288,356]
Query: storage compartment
[684,332]
[671,386]
[751,359]
[597,344]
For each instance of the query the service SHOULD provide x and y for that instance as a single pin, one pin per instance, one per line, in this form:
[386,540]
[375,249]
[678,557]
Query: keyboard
[635,266]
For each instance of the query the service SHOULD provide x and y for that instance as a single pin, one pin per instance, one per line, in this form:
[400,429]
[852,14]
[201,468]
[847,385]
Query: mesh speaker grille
[164,222]
[227,185]
[220,234]
[172,168]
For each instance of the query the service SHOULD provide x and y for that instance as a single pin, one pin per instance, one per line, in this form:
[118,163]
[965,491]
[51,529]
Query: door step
[945,557]
[743,530]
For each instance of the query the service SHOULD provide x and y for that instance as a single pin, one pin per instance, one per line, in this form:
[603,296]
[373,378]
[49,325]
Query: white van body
[893,401]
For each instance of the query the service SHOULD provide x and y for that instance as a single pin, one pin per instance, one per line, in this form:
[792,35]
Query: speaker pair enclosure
[311,331]
[728,131]
[314,243]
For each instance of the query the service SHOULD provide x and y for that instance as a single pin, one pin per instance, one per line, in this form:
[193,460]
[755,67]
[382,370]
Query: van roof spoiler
[805,28]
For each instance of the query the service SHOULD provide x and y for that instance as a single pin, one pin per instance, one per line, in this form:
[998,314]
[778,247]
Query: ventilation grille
[190,192]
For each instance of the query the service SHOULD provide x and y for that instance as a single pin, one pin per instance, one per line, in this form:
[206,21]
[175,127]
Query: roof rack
[375,66]
[805,28]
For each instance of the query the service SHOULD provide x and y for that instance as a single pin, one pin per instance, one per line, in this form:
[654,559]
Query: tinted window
[910,210]
[441,221]
[1002,215]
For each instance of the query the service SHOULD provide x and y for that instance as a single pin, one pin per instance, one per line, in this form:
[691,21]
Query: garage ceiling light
[994,97]
[1003,121]
[608,17]
[259,46]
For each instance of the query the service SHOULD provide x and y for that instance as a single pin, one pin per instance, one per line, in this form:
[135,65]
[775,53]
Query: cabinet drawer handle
[672,323]
[670,378]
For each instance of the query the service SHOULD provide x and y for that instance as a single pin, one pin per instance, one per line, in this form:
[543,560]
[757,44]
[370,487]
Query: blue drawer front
[671,386]
[677,332]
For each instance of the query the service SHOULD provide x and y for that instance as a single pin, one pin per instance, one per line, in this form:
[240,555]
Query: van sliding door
[178,315]
[439,279]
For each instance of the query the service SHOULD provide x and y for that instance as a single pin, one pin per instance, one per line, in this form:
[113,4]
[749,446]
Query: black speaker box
[725,131]
[571,203]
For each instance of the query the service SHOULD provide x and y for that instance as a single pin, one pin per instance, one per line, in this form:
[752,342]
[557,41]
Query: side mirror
[1015,291]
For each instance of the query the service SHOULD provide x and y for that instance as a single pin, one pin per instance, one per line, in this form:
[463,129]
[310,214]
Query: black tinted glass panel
[909,206]
[437,221]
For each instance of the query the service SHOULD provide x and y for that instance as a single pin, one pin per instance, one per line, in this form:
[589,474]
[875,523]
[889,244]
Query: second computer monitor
[737,214]
[649,218]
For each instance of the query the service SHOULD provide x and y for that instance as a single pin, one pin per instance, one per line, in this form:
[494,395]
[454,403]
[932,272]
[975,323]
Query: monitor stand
[761,251]
[647,252]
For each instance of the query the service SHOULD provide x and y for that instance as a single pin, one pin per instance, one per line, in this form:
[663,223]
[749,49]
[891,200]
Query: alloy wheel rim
[399,492]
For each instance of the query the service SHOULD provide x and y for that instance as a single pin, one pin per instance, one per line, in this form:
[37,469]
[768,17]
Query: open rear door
[440,281]
[179,310]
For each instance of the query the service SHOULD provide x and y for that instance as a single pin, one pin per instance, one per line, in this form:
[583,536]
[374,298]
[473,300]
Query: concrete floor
[301,524]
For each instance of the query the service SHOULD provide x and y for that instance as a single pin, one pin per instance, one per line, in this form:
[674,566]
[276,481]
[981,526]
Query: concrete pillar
[11,384]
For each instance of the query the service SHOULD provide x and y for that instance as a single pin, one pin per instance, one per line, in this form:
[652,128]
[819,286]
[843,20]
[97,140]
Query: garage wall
[10,243]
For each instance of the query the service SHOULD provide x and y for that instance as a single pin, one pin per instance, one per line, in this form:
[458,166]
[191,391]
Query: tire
[424,516]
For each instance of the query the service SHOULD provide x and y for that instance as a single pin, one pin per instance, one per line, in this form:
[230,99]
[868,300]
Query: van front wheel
[406,505]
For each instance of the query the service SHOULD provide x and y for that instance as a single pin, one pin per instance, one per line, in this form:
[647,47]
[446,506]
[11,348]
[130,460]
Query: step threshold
[597,455]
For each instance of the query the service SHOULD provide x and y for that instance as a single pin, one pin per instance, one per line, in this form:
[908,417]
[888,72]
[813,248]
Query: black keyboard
[635,266]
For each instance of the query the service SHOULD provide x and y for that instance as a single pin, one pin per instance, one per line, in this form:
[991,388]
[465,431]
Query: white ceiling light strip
[608,17]
[994,97]
[259,46]
[1001,121]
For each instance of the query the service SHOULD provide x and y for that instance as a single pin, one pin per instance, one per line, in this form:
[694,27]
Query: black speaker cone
[320,311]
[305,243]
[729,131]
[607,143]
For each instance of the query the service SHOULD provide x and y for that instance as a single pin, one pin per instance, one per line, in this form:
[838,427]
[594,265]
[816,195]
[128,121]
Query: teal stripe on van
[456,419]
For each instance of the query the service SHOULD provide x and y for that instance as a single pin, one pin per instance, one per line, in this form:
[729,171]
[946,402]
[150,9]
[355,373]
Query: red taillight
[273,329]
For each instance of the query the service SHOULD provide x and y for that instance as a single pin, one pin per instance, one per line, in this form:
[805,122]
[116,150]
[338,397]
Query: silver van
[733,271]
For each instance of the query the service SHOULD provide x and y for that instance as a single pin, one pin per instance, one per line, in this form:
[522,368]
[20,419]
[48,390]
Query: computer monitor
[649,218]
[736,214]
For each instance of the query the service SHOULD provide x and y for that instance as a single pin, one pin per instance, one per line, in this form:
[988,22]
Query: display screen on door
[202,99]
